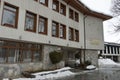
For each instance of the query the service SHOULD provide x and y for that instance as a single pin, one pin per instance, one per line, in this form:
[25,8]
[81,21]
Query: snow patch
[91,67]
[50,75]
[107,63]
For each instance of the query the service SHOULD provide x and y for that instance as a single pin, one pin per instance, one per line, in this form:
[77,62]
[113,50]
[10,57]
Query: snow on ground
[50,75]
[90,67]
[107,63]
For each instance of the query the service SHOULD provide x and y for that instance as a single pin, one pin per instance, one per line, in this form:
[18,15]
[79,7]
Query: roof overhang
[85,10]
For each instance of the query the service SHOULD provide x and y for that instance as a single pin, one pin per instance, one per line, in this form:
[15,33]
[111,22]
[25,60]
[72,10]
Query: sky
[104,6]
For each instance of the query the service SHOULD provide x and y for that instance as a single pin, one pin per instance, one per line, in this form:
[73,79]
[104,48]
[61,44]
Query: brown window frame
[45,25]
[35,0]
[72,34]
[76,35]
[57,29]
[76,16]
[46,2]
[55,2]
[16,15]
[64,31]
[62,6]
[35,21]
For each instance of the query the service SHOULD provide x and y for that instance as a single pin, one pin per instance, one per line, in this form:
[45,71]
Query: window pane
[71,15]
[63,9]
[27,55]
[30,22]
[11,57]
[42,25]
[9,17]
[61,31]
[71,35]
[76,35]
[55,5]
[3,55]
[54,29]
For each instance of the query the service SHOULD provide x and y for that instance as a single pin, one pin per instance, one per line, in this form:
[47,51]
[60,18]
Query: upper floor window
[44,2]
[42,26]
[62,9]
[62,31]
[30,22]
[77,35]
[55,29]
[71,34]
[71,14]
[10,16]
[76,17]
[55,5]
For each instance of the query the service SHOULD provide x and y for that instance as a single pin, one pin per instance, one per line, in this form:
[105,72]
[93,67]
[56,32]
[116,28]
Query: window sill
[30,30]
[9,25]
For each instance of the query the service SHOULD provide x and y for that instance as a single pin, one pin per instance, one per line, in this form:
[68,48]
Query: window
[62,31]
[63,9]
[55,29]
[10,16]
[55,5]
[42,26]
[44,2]
[71,34]
[76,17]
[71,14]
[30,22]
[14,52]
[77,35]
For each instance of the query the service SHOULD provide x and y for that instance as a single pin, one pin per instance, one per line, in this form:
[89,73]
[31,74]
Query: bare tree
[115,9]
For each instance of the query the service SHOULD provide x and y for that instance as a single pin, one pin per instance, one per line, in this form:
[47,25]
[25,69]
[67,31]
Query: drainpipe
[84,25]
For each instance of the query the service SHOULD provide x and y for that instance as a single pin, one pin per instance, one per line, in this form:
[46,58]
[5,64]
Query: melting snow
[107,63]
[49,75]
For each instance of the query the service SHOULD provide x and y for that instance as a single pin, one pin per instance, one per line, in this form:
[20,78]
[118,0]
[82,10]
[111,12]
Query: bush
[55,57]
[87,62]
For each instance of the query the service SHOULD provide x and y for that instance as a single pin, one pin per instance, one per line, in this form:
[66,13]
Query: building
[31,29]
[112,51]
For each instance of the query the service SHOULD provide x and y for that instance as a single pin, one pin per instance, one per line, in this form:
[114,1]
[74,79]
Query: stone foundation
[92,55]
[14,70]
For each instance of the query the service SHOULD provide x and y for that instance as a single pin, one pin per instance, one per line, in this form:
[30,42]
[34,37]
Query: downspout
[84,25]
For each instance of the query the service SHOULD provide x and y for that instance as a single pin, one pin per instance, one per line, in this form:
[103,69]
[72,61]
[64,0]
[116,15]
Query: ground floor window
[15,52]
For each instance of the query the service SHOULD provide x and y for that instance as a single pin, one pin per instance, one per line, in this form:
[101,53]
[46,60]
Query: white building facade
[31,29]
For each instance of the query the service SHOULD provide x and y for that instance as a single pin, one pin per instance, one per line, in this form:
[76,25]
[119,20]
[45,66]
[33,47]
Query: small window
[63,9]
[55,5]
[62,31]
[71,34]
[55,29]
[44,2]
[42,26]
[10,16]
[76,17]
[71,14]
[77,35]
[30,22]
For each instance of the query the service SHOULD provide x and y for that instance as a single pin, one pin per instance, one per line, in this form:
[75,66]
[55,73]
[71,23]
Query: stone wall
[14,70]
[46,61]
[92,55]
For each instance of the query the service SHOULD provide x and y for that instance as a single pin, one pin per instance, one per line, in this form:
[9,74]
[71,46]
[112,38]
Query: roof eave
[85,10]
